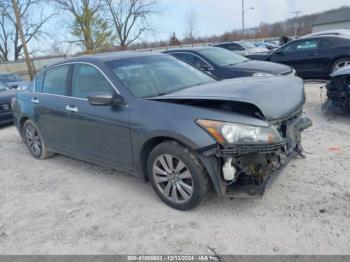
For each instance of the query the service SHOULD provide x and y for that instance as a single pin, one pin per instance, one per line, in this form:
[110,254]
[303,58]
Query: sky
[219,16]
[212,17]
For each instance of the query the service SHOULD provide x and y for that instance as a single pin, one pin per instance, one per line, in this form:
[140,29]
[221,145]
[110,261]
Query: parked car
[223,64]
[267,45]
[156,117]
[242,47]
[338,92]
[312,57]
[13,80]
[344,32]
[6,95]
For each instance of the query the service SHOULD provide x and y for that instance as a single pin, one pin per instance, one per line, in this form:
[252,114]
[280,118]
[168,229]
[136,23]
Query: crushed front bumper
[255,165]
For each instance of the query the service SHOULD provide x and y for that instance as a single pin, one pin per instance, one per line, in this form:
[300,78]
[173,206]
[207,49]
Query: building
[332,20]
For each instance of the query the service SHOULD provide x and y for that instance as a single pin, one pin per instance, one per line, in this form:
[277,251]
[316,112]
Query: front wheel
[177,176]
[34,141]
[339,64]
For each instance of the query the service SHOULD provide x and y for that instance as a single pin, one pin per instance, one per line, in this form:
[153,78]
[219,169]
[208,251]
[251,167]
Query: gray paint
[124,130]
[276,97]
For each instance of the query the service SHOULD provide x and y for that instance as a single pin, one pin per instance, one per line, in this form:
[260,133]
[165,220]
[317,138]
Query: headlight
[262,74]
[231,133]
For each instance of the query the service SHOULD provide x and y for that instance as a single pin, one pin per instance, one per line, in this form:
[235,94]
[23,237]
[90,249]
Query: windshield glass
[10,78]
[152,76]
[247,45]
[3,87]
[222,57]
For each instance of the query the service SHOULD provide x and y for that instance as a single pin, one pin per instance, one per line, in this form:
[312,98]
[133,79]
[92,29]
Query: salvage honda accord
[153,116]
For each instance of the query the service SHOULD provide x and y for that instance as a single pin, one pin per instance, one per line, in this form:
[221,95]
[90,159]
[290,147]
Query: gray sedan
[156,117]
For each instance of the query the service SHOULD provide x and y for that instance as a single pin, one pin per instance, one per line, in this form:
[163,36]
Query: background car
[312,57]
[267,45]
[223,64]
[338,92]
[344,32]
[242,47]
[6,94]
[155,117]
[13,80]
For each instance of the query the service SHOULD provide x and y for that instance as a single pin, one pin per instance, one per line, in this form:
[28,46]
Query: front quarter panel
[154,119]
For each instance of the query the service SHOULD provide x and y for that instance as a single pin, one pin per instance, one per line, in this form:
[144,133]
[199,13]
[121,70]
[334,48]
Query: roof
[103,57]
[189,49]
[336,16]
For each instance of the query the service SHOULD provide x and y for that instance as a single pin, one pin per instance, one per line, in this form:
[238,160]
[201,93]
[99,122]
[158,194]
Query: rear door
[99,133]
[49,100]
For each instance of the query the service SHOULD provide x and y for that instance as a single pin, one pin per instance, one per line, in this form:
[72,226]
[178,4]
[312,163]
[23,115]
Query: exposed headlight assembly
[232,133]
[262,74]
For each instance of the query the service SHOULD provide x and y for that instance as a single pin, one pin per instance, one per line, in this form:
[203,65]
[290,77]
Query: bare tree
[32,24]
[90,29]
[191,24]
[130,18]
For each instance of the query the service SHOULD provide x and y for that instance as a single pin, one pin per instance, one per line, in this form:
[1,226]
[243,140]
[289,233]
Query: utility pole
[296,21]
[243,17]
[243,13]
[24,44]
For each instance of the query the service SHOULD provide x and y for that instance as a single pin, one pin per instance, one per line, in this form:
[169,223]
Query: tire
[340,63]
[176,176]
[34,141]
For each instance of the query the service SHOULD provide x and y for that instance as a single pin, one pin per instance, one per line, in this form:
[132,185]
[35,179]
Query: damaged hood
[275,97]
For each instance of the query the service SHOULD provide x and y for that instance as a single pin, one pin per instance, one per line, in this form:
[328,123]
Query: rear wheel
[34,141]
[340,63]
[176,176]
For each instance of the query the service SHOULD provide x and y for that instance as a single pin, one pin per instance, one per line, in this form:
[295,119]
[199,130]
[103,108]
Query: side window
[39,83]
[302,46]
[192,59]
[325,44]
[55,81]
[87,79]
[234,47]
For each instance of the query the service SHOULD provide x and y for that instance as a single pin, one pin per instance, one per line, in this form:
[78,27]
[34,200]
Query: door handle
[72,108]
[35,100]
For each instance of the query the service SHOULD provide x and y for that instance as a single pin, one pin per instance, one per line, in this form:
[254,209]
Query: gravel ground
[65,206]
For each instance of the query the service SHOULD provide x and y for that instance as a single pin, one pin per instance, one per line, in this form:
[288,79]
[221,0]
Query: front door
[99,133]
[303,55]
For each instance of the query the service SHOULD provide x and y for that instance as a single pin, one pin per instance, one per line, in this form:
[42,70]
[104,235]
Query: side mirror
[104,99]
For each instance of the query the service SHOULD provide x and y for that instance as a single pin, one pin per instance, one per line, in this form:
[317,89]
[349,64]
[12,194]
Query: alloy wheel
[341,64]
[33,140]
[172,178]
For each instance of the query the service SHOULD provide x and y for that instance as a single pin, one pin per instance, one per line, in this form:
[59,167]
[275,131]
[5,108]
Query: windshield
[3,87]
[152,76]
[10,78]
[222,57]
[247,45]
